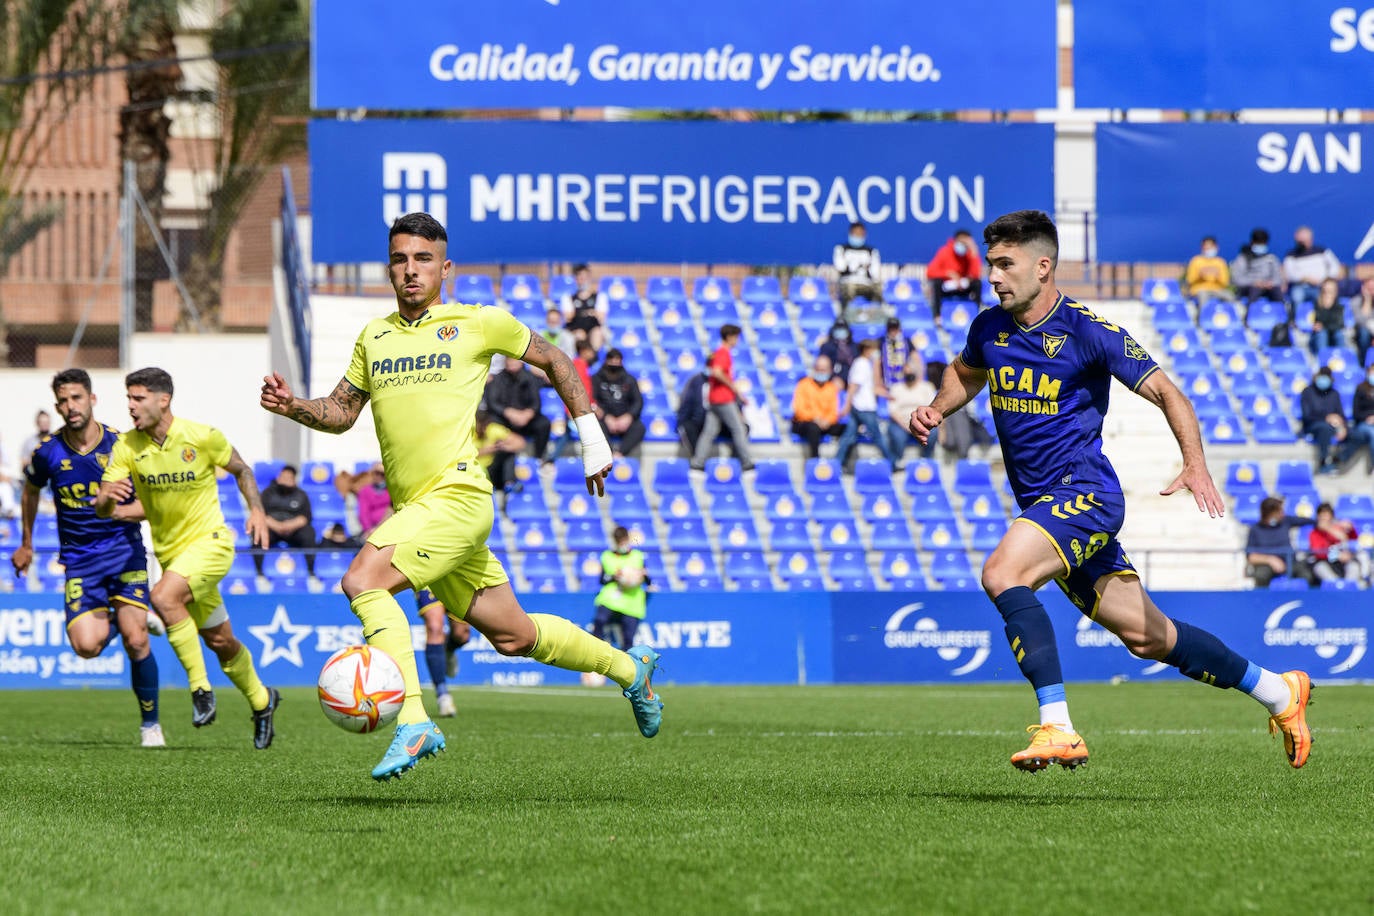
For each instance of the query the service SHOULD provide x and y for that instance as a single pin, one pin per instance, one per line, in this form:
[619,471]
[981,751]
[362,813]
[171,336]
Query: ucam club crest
[950,645]
[1345,645]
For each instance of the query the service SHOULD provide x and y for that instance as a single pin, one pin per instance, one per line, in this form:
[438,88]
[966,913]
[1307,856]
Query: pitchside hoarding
[696,191]
[743,638]
[1223,54]
[683,54]
[1162,187]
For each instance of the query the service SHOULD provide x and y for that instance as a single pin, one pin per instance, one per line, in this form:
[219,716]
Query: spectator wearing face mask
[895,352]
[1207,276]
[1324,420]
[1256,271]
[816,406]
[1306,266]
[1328,318]
[956,271]
[839,348]
[1334,548]
[912,390]
[619,404]
[857,265]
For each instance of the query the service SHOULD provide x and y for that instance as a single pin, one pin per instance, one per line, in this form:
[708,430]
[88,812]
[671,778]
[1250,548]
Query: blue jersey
[91,546]
[1049,385]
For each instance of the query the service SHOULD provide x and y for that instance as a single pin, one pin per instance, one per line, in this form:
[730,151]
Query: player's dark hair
[729,330]
[1024,227]
[419,224]
[152,378]
[71,376]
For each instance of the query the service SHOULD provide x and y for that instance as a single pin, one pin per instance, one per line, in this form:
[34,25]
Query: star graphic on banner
[273,646]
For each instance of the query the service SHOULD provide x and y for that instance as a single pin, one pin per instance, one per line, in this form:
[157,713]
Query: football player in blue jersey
[1049,364]
[106,567]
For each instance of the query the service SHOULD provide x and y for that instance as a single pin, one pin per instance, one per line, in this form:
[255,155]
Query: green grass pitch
[781,800]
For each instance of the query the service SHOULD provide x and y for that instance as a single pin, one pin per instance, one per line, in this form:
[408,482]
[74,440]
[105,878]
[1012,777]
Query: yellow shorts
[203,565]
[441,545]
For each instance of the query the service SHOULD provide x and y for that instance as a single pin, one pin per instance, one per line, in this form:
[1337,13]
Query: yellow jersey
[425,379]
[175,482]
[495,433]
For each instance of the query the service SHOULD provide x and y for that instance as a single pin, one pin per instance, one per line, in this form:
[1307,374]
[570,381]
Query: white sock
[1057,713]
[1272,692]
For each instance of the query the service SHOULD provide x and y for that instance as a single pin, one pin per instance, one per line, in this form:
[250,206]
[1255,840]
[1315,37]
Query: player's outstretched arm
[1160,390]
[958,386]
[256,523]
[333,414]
[28,508]
[596,451]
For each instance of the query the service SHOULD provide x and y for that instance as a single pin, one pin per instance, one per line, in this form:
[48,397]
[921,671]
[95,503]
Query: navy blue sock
[437,663]
[143,675]
[1202,657]
[1031,636]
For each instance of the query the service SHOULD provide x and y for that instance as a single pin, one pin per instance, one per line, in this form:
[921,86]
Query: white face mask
[1209,252]
[960,249]
[857,240]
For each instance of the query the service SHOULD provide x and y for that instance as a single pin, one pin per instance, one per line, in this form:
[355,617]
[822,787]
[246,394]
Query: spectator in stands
[348,485]
[1269,550]
[1306,266]
[1256,271]
[961,430]
[912,390]
[723,404]
[585,309]
[582,362]
[838,346]
[556,332]
[816,406]
[1362,420]
[1323,419]
[336,537]
[1207,276]
[956,271]
[513,398]
[1334,548]
[374,499]
[289,518]
[897,350]
[857,266]
[861,407]
[497,447]
[691,412]
[618,403]
[1363,308]
[1328,318]
[42,432]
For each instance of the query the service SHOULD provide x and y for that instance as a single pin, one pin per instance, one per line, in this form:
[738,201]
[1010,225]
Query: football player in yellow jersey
[424,367]
[169,464]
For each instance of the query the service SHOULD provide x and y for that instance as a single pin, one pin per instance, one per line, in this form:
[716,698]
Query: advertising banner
[699,191]
[1220,54]
[682,54]
[1162,187]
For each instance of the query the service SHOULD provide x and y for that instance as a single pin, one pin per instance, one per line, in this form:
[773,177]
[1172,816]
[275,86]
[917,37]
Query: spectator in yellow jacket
[1207,276]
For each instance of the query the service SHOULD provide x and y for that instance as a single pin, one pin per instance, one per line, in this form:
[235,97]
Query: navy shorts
[423,599]
[87,594]
[1081,520]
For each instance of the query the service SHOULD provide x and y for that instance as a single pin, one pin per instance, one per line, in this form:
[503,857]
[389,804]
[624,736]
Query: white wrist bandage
[596,451]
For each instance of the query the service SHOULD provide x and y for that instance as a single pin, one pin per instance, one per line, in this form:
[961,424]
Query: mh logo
[414,182]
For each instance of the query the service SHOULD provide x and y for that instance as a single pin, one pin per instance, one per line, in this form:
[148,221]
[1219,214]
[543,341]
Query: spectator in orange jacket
[816,406]
[956,271]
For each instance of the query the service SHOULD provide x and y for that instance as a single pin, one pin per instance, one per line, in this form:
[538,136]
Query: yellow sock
[245,677]
[385,626]
[564,644]
[185,642]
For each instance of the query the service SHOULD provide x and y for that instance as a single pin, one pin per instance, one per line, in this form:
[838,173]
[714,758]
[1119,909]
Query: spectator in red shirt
[582,364]
[956,271]
[1334,544]
[722,404]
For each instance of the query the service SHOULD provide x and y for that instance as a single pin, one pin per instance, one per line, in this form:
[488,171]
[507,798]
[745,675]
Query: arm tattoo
[248,483]
[334,414]
[561,372]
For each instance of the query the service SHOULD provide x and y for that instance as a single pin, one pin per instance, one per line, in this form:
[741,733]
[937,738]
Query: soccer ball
[630,576]
[361,689]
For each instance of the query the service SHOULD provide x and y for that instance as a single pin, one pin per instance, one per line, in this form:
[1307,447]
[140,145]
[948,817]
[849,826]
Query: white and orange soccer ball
[361,689]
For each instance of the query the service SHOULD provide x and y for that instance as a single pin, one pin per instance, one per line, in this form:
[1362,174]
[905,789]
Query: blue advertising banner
[1224,180]
[684,54]
[1220,54]
[669,191]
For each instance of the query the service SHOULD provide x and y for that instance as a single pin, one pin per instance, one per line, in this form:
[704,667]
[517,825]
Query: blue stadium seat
[661,290]
[740,534]
[1191,362]
[697,570]
[770,316]
[967,583]
[1345,380]
[527,505]
[684,361]
[1302,314]
[956,315]
[831,505]
[972,476]
[1250,382]
[1200,384]
[1340,585]
[881,507]
[891,534]
[775,341]
[845,564]
[815,317]
[45,532]
[949,564]
[840,535]
[789,534]
[587,568]
[626,472]
[772,475]
[931,506]
[902,570]
[264,472]
[822,474]
[1262,315]
[676,338]
[629,506]
[713,290]
[1288,360]
[723,474]
[316,475]
[1226,341]
[1244,477]
[535,535]
[639,359]
[521,286]
[687,534]
[987,534]
[944,535]
[671,475]
[808,289]
[903,291]
[618,287]
[1255,406]
[678,505]
[551,405]
[1294,476]
[1219,315]
[1158,290]
[915,316]
[799,564]
[784,505]
[760,290]
[568,476]
[586,534]
[1211,404]
[922,475]
[578,505]
[745,564]
[625,313]
[473,289]
[729,505]
[1358,507]
[1223,429]
[1338,358]
[1247,507]
[1273,429]
[983,506]
[872,475]
[532,312]
[541,563]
